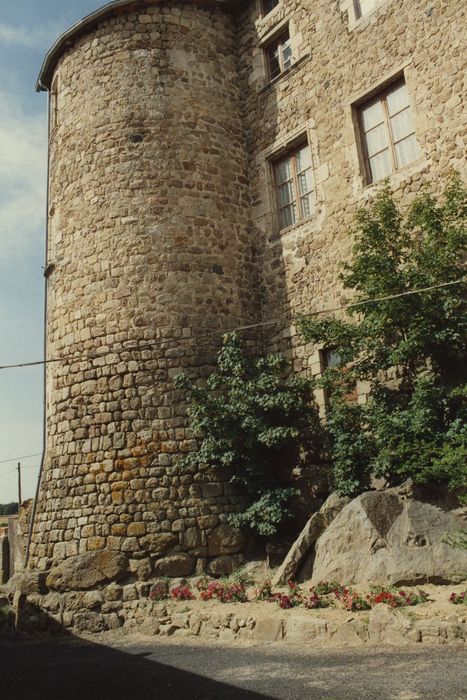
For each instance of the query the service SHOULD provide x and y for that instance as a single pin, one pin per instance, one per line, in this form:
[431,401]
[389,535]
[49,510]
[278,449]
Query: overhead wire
[160,341]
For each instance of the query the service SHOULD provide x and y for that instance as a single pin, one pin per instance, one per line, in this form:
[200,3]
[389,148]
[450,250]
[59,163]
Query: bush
[410,348]
[257,423]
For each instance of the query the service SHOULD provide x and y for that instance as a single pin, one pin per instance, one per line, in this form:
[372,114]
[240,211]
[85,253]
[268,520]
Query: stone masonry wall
[337,61]
[163,233]
[150,260]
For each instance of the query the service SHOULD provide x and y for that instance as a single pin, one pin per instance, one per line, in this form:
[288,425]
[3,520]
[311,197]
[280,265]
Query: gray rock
[89,622]
[225,539]
[270,629]
[308,536]
[222,566]
[392,538]
[87,570]
[158,544]
[27,582]
[175,565]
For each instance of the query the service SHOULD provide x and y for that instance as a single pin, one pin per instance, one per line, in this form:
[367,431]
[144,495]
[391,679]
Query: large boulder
[300,550]
[86,571]
[391,537]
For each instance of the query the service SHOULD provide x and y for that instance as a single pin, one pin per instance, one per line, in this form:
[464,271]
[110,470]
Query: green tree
[410,348]
[8,508]
[253,420]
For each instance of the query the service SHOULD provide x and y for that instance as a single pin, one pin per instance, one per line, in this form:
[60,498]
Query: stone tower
[149,261]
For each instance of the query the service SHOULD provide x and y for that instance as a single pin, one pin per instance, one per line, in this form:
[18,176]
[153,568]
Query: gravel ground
[134,668]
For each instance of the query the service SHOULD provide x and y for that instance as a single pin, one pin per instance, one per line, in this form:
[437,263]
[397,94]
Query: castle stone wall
[337,61]
[150,260]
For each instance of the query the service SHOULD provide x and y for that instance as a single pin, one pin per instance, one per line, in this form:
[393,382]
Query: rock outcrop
[392,537]
[315,526]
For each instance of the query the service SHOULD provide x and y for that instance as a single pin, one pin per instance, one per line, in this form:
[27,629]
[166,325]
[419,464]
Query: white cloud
[23,166]
[36,38]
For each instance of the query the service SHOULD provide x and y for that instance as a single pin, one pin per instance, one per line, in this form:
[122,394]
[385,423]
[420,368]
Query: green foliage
[255,422]
[411,349]
[8,508]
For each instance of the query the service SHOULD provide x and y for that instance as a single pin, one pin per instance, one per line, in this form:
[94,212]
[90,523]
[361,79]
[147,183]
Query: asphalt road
[68,669]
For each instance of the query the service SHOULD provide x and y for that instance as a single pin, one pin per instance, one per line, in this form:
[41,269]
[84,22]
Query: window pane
[365,6]
[283,171]
[397,99]
[287,53]
[304,182]
[406,151]
[372,115]
[332,358]
[307,204]
[285,194]
[287,216]
[376,139]
[401,125]
[303,159]
[380,166]
[274,64]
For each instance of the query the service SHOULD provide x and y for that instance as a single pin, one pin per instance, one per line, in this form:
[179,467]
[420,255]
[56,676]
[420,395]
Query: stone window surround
[263,12]
[268,30]
[355,20]
[53,104]
[361,185]
[264,162]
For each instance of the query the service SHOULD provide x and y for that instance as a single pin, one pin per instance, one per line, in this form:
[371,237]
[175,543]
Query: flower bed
[326,594]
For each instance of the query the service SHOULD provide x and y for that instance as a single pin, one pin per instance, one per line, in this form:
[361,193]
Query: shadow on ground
[67,668]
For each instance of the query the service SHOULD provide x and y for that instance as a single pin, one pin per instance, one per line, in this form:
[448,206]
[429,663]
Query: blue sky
[27,30]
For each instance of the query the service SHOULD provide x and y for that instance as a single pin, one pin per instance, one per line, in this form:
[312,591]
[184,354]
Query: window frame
[381,97]
[291,154]
[278,42]
[358,9]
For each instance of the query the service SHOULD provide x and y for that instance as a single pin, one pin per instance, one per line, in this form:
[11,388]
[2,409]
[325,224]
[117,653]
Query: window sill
[270,85]
[406,171]
[278,234]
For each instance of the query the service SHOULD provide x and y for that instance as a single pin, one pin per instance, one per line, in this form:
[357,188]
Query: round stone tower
[149,261]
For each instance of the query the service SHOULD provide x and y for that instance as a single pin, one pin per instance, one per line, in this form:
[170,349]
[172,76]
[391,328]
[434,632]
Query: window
[363,7]
[387,132]
[269,5]
[295,187]
[54,114]
[331,359]
[279,55]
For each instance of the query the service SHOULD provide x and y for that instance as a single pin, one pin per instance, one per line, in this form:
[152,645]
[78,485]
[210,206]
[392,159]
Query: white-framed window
[294,185]
[387,132]
[279,55]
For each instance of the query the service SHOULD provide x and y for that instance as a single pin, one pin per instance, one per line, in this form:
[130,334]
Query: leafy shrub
[398,599]
[326,587]
[225,593]
[458,598]
[253,420]
[182,592]
[351,600]
[316,601]
[410,349]
[264,590]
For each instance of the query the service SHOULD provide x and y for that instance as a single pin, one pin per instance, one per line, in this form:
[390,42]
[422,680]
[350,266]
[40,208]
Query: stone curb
[128,608]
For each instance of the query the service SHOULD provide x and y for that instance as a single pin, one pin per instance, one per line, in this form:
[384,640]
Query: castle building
[207,158]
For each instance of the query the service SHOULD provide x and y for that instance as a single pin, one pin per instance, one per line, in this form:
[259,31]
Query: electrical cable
[148,345]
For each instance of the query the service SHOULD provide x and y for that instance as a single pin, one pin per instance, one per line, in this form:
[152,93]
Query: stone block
[271,629]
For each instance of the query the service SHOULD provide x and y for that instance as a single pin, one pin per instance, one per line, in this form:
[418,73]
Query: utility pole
[19,484]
